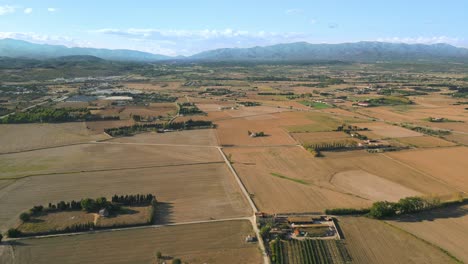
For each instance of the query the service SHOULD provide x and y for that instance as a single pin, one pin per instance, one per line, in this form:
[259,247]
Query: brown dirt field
[253,110]
[235,132]
[219,242]
[255,166]
[369,186]
[105,156]
[446,164]
[99,126]
[185,193]
[425,142]
[319,137]
[445,227]
[273,194]
[20,137]
[387,168]
[204,137]
[389,131]
[214,107]
[372,241]
[459,138]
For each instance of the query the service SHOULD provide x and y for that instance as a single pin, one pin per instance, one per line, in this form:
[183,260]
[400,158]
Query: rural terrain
[326,162]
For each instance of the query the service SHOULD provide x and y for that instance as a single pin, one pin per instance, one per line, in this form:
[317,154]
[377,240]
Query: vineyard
[308,251]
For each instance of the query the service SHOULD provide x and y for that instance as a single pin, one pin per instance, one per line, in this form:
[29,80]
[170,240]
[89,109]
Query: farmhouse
[363,104]
[104,212]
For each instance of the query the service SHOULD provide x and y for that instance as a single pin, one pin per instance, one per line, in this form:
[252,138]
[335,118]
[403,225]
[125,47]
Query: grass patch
[316,105]
[287,178]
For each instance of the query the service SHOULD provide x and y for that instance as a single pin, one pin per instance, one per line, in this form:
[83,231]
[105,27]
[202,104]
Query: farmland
[268,150]
[200,244]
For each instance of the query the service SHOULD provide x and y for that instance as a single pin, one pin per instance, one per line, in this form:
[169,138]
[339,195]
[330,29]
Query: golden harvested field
[320,137]
[369,186]
[198,137]
[154,110]
[388,131]
[22,137]
[309,181]
[218,242]
[187,193]
[101,156]
[459,138]
[306,188]
[235,132]
[372,241]
[445,227]
[425,142]
[447,164]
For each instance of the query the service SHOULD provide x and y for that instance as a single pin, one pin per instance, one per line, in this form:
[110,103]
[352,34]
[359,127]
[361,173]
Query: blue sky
[187,27]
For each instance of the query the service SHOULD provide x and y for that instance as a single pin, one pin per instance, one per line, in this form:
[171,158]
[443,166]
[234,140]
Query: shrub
[88,205]
[383,209]
[13,232]
[1,238]
[25,217]
[158,255]
[176,261]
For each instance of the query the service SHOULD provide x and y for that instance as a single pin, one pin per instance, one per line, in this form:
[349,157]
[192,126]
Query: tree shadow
[163,214]
[452,211]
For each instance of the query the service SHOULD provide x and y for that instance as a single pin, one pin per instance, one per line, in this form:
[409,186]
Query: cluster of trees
[347,211]
[406,205]
[138,199]
[189,109]
[94,205]
[249,103]
[330,146]
[216,91]
[349,128]
[53,115]
[384,209]
[131,130]
[389,100]
[390,91]
[269,78]
[272,93]
[428,131]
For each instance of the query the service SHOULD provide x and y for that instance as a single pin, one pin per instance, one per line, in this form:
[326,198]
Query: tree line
[54,115]
[131,130]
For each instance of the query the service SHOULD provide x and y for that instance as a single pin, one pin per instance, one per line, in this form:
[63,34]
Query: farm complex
[262,163]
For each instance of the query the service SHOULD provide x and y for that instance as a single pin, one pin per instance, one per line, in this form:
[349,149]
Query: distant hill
[299,51]
[18,48]
[359,51]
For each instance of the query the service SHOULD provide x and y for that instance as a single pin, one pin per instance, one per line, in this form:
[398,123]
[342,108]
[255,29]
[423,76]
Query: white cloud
[313,21]
[51,9]
[6,9]
[28,10]
[293,11]
[45,39]
[424,40]
[187,42]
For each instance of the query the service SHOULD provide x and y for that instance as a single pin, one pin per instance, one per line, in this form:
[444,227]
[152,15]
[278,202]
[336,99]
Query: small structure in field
[250,239]
[104,212]
[363,104]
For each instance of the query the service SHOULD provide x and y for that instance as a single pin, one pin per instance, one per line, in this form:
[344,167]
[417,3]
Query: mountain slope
[360,51]
[17,48]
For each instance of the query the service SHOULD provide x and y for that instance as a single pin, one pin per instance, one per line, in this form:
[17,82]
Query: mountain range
[299,51]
